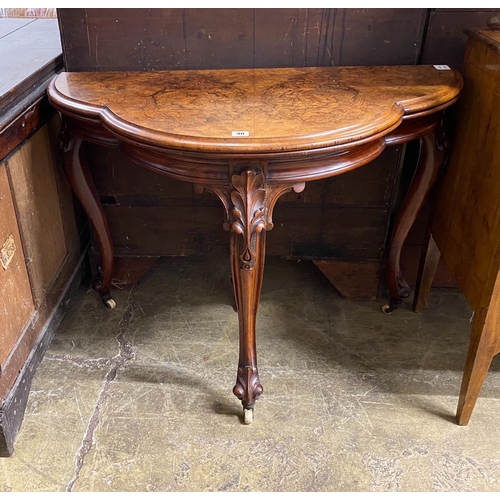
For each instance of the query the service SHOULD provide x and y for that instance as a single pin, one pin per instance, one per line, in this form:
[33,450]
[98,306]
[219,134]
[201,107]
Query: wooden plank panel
[299,232]
[365,37]
[328,232]
[368,186]
[153,39]
[462,9]
[123,39]
[112,172]
[445,41]
[34,186]
[286,37]
[15,292]
[66,201]
[156,231]
[219,38]
[353,280]
[74,39]
[353,233]
[335,37]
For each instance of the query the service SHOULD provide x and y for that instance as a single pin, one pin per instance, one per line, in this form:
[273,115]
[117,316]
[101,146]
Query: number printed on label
[240,133]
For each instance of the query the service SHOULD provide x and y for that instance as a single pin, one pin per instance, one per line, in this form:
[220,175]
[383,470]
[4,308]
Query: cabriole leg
[247,282]
[249,204]
[248,224]
[431,157]
[77,172]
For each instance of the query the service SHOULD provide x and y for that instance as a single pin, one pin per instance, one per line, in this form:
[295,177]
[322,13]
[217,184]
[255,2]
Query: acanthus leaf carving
[248,206]
[248,215]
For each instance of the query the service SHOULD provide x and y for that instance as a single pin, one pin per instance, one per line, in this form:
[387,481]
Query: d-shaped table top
[255,110]
[249,136]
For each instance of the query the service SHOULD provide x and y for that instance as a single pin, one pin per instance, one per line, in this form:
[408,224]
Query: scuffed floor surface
[140,398]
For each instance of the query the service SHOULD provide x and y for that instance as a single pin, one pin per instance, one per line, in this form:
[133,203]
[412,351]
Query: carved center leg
[247,281]
[247,223]
[249,203]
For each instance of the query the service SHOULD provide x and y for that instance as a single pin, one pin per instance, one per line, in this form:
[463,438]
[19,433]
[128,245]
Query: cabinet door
[16,302]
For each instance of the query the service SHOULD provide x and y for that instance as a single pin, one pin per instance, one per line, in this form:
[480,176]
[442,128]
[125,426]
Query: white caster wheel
[386,309]
[247,416]
[110,303]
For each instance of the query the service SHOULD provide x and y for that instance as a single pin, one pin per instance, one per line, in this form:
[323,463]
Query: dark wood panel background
[154,39]
[345,218]
[445,39]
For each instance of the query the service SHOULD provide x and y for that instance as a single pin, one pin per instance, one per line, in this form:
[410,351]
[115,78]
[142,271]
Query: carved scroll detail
[248,387]
[272,196]
[223,193]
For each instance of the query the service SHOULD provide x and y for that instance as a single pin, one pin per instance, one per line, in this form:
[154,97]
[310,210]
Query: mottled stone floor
[139,398]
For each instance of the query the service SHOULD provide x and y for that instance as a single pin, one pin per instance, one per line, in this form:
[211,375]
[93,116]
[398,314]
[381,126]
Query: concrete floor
[139,398]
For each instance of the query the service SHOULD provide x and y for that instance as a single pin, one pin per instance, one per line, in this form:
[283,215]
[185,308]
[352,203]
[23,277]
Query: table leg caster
[105,294]
[387,309]
[248,415]
[110,303]
[391,306]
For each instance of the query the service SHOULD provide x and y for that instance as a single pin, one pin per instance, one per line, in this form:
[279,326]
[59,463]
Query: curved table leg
[247,271]
[431,158]
[249,204]
[76,169]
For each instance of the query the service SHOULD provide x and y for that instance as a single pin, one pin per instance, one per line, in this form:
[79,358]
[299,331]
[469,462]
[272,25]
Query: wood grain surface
[467,221]
[280,109]
[36,198]
[15,291]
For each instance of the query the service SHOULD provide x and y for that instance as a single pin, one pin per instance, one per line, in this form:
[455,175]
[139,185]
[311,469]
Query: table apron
[211,168]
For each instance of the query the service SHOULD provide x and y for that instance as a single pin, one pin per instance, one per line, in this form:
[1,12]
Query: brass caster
[387,309]
[247,416]
[110,303]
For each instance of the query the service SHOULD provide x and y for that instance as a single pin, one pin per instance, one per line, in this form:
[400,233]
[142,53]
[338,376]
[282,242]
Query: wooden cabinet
[465,225]
[15,292]
[41,250]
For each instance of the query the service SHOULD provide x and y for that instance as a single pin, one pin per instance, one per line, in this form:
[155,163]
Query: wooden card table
[249,136]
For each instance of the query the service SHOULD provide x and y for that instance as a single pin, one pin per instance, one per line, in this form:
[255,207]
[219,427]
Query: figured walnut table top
[285,109]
